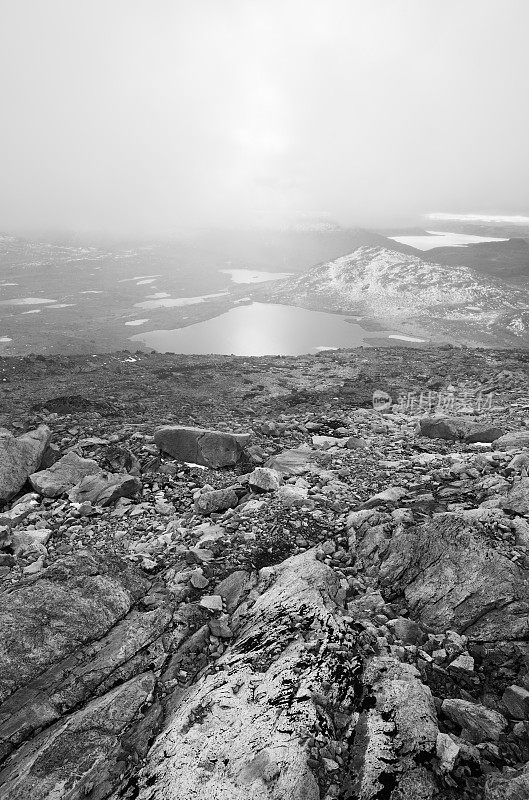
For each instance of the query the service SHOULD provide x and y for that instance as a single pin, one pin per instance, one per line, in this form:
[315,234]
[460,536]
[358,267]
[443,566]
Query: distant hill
[288,250]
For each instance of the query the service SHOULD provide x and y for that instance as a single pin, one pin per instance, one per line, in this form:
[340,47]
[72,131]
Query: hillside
[332,605]
[507,260]
[396,289]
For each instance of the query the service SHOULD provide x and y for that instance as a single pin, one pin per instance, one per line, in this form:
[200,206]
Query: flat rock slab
[298,461]
[201,446]
[105,488]
[63,475]
[19,457]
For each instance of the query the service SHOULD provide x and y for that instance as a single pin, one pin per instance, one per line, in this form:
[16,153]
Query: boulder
[201,446]
[19,457]
[455,428]
[63,475]
[478,724]
[216,500]
[105,488]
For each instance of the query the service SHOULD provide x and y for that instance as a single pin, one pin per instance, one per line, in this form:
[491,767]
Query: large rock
[454,428]
[105,488]
[63,475]
[200,446]
[19,457]
[477,723]
[451,578]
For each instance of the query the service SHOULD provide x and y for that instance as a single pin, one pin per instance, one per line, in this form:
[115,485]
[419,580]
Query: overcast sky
[148,115]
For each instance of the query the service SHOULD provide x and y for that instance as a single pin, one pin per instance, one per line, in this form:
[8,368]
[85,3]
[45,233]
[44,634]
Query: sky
[147,116]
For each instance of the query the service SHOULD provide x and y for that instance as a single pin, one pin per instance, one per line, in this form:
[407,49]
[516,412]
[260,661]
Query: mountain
[396,289]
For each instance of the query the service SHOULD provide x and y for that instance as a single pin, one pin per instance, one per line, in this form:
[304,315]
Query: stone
[478,724]
[521,531]
[219,627]
[105,488]
[20,511]
[63,475]
[406,630]
[198,580]
[516,701]
[201,446]
[213,602]
[356,443]
[19,457]
[462,665]
[216,500]
[517,498]
[265,479]
[446,751]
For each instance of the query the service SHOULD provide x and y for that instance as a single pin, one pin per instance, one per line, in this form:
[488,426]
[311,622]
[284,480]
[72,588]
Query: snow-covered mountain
[401,290]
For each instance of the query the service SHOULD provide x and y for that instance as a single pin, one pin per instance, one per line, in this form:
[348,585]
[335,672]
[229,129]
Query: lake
[443,239]
[254,275]
[260,329]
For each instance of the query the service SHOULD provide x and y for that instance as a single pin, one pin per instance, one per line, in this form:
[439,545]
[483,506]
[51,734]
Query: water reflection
[261,329]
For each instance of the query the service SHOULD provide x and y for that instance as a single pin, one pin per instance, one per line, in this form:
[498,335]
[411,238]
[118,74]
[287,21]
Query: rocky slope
[409,292]
[334,605]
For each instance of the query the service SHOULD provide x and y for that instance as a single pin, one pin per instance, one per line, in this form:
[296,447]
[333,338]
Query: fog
[149,116]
